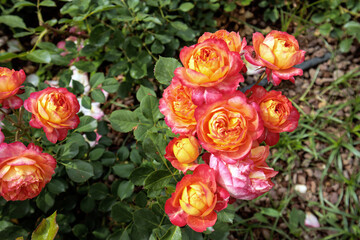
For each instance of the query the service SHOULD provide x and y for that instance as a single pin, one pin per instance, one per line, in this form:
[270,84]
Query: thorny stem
[257,83]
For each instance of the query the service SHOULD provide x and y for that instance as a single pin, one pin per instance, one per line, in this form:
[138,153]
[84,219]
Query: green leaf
[149,107]
[345,45]
[139,175]
[111,85]
[325,29]
[133,3]
[99,36]
[227,215]
[352,27]
[145,219]
[137,71]
[174,233]
[229,7]
[85,66]
[45,201]
[57,186]
[318,17]
[87,124]
[79,171]
[125,189]
[98,191]
[179,25]
[121,212]
[47,3]
[47,229]
[7,55]
[96,154]
[187,6]
[80,230]
[39,56]
[123,120]
[123,170]
[87,204]
[86,102]
[98,96]
[164,69]
[157,47]
[144,91]
[154,145]
[270,212]
[96,79]
[156,181]
[12,21]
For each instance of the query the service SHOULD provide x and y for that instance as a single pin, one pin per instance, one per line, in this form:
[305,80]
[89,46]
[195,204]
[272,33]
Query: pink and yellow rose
[196,199]
[10,84]
[182,152]
[24,171]
[228,127]
[278,52]
[209,64]
[54,110]
[277,113]
[247,179]
[178,108]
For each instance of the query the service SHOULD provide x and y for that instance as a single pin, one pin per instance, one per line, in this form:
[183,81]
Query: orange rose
[228,127]
[24,171]
[232,39]
[178,109]
[278,52]
[182,152]
[54,110]
[210,65]
[196,199]
[276,111]
[10,84]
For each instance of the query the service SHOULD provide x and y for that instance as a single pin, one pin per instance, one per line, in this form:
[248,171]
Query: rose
[278,52]
[196,199]
[209,65]
[178,109]
[24,171]
[10,84]
[245,179]
[182,152]
[232,39]
[54,110]
[276,111]
[228,127]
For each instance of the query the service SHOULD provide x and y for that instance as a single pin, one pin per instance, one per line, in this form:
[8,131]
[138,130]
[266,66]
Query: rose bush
[54,110]
[24,171]
[10,84]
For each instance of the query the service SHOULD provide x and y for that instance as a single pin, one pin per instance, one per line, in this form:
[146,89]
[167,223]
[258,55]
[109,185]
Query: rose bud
[178,109]
[54,110]
[228,127]
[209,66]
[10,84]
[182,152]
[24,171]
[195,200]
[276,111]
[278,52]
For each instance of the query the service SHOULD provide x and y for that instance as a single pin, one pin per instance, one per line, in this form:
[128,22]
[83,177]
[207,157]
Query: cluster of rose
[25,170]
[202,105]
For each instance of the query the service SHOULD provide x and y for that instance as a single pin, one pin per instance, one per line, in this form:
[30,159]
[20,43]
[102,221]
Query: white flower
[94,112]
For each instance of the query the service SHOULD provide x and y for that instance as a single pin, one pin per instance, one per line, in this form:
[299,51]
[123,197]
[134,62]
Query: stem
[257,83]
